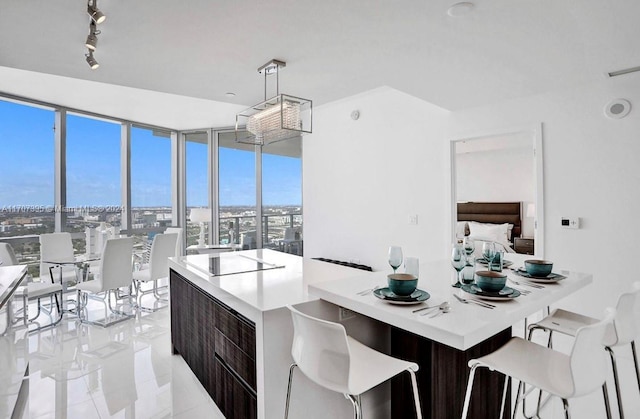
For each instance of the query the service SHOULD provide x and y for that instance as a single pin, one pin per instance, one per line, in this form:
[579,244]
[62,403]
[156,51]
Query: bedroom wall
[362,179]
[479,172]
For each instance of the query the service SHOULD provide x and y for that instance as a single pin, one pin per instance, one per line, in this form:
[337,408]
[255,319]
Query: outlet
[570,222]
[413,219]
[345,314]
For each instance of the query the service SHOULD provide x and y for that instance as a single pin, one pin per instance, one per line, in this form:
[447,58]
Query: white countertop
[466,324]
[269,289]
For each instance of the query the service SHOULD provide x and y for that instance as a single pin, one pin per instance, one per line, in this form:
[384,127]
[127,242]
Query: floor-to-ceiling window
[26,178]
[93,176]
[282,196]
[150,182]
[196,181]
[236,191]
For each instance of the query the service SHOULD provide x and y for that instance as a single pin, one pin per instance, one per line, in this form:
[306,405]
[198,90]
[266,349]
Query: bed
[482,219]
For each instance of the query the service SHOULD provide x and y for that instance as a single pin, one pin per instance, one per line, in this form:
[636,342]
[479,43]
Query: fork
[527,284]
[480,303]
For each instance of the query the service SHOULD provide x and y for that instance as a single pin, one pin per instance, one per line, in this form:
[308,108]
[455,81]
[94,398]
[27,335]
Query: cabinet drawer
[238,329]
[236,359]
[524,246]
[234,399]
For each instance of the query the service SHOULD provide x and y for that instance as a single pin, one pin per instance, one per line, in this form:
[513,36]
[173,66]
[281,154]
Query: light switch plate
[570,222]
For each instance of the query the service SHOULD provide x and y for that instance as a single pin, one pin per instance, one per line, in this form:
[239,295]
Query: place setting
[401,288]
[538,271]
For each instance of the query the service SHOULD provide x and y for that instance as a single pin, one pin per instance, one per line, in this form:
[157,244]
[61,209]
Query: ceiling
[197,51]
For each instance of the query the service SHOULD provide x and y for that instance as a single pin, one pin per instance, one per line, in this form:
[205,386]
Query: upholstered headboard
[492,212]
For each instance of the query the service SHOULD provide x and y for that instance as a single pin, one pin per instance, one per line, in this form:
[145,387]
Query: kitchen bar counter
[443,345]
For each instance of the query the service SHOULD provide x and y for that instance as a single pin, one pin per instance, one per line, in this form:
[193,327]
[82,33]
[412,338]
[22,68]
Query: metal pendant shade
[276,119]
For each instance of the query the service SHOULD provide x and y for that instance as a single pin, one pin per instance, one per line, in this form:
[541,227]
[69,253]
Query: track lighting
[94,12]
[92,39]
[91,60]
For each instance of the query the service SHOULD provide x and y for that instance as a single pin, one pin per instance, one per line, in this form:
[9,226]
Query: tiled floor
[127,371]
[122,371]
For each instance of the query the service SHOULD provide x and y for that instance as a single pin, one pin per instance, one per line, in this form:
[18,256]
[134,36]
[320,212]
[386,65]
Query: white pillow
[461,229]
[493,232]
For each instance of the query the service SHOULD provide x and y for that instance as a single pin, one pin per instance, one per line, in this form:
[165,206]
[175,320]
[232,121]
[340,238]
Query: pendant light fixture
[92,39]
[280,118]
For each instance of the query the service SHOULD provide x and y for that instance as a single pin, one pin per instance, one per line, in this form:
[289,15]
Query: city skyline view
[93,166]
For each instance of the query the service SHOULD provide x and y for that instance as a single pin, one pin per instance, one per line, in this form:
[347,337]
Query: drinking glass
[395,257]
[488,252]
[458,261]
[411,266]
[469,247]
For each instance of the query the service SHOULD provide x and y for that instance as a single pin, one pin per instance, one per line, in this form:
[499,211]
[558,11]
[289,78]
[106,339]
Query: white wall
[363,178]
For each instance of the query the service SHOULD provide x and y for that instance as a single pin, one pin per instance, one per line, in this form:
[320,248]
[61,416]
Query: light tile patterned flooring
[122,371]
[127,371]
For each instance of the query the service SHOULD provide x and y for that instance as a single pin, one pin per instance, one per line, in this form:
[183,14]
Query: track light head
[91,60]
[92,39]
[95,13]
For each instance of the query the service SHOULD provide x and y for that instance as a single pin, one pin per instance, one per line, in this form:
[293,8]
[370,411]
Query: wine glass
[469,247]
[395,257]
[458,261]
[488,252]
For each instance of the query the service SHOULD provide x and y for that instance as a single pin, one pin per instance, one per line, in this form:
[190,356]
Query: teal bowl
[402,284]
[535,267]
[490,281]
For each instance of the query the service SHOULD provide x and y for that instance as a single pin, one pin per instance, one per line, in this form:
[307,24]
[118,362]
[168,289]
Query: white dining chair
[330,358]
[162,248]
[113,274]
[57,246]
[566,376]
[33,291]
[622,331]
[179,241]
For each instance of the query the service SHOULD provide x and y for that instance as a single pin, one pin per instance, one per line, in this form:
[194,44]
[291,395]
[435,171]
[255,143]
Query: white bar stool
[328,357]
[621,332]
[561,375]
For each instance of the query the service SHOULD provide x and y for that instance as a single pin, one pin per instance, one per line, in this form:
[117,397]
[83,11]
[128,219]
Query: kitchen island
[234,331]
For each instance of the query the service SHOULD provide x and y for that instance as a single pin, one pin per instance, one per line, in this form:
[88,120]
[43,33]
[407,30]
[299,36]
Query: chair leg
[467,396]
[607,406]
[507,382]
[565,403]
[635,361]
[416,397]
[518,396]
[357,409]
[615,379]
[286,407]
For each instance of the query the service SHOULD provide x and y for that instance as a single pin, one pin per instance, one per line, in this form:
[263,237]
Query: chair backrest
[321,350]
[588,358]
[179,242]
[7,256]
[625,327]
[54,246]
[116,265]
[162,248]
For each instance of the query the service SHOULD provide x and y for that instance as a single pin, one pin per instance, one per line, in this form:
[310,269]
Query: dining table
[442,341]
[82,261]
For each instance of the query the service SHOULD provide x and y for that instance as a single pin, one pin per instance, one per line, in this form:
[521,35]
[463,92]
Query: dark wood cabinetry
[218,344]
[523,245]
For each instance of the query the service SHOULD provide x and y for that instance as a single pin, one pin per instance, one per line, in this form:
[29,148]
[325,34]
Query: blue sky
[93,165]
